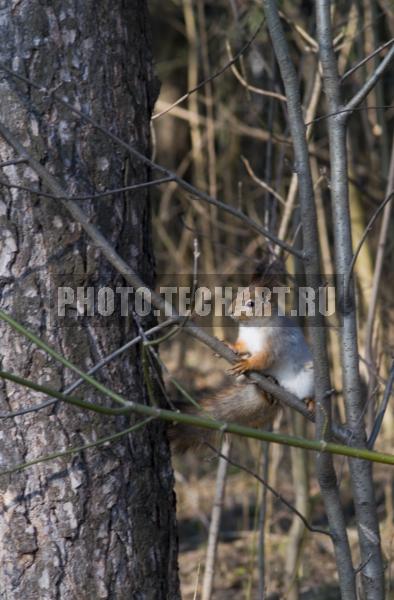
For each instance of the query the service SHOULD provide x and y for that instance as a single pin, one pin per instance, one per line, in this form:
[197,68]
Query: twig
[380,416]
[363,564]
[345,48]
[293,187]
[272,490]
[297,533]
[366,59]
[182,322]
[74,400]
[109,438]
[343,111]
[127,188]
[371,82]
[217,508]
[260,182]
[265,452]
[212,77]
[367,404]
[304,35]
[158,361]
[195,597]
[14,161]
[368,25]
[382,241]
[155,363]
[371,367]
[364,236]
[252,88]
[209,100]
[91,371]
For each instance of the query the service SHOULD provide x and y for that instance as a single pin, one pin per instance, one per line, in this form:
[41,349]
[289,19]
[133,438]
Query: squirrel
[275,344]
[271,344]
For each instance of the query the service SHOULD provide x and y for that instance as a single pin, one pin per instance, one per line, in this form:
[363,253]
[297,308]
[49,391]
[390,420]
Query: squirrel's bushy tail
[242,403]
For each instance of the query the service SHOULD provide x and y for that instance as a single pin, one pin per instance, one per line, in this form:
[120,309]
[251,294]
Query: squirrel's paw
[238,347]
[311,405]
[240,367]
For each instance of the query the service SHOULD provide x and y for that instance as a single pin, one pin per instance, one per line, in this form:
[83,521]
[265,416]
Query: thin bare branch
[252,88]
[14,161]
[260,182]
[263,520]
[363,564]
[212,77]
[272,490]
[97,367]
[380,416]
[293,187]
[63,453]
[364,236]
[127,188]
[312,44]
[216,513]
[371,82]
[366,59]
[348,110]
[382,243]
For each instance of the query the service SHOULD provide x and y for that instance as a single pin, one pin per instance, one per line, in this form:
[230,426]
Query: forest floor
[236,573]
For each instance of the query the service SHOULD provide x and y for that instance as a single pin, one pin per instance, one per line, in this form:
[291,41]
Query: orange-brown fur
[257,362]
[239,347]
[241,403]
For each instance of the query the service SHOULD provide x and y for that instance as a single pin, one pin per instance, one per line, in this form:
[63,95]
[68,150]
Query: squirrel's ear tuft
[269,272]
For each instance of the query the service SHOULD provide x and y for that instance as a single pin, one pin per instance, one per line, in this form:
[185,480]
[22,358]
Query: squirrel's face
[250,303]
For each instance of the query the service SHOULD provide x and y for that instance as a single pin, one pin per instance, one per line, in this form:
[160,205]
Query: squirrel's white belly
[254,338]
[293,368]
[299,383]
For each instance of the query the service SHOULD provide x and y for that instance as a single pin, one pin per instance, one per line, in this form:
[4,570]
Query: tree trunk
[100,524]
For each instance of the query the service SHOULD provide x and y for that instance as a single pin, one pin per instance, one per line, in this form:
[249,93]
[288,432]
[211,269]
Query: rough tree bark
[102,524]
